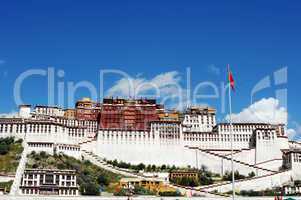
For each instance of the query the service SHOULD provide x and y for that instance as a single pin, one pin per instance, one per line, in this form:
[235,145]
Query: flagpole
[231,134]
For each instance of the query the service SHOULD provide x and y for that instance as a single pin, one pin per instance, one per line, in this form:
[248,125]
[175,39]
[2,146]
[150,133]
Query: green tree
[141,166]
[170,194]
[163,167]
[228,176]
[204,168]
[185,181]
[4,148]
[121,192]
[43,154]
[7,140]
[238,176]
[115,162]
[90,188]
[149,168]
[251,174]
[204,179]
[103,180]
[142,191]
[33,153]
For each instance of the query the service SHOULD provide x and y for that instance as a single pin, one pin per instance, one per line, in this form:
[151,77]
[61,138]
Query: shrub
[163,167]
[4,148]
[43,154]
[205,180]
[170,194]
[142,191]
[7,140]
[185,181]
[115,162]
[90,188]
[237,176]
[35,166]
[6,185]
[121,192]
[251,174]
[36,157]
[141,166]
[61,166]
[103,180]
[149,168]
[5,144]
[297,182]
[19,141]
[87,162]
[251,193]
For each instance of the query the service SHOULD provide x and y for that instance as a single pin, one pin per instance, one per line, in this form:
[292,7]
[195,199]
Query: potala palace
[142,131]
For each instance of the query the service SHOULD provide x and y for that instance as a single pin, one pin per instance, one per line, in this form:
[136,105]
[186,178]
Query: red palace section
[128,114]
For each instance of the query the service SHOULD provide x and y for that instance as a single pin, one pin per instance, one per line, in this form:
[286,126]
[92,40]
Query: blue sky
[148,38]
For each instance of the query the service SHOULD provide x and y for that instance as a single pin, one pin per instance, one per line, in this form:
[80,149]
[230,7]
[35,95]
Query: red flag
[231,79]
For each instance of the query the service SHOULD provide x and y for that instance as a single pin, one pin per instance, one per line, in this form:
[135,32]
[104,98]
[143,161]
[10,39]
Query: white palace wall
[46,137]
[142,147]
[268,148]
[43,132]
[51,148]
[166,143]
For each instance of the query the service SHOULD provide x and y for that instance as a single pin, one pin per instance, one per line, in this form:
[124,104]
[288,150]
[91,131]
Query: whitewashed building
[49,182]
[196,140]
[199,119]
[49,110]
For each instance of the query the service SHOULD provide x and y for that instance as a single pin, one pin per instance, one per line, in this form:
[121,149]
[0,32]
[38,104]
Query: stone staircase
[88,140]
[88,144]
[95,159]
[86,151]
[187,189]
[20,170]
[235,161]
[211,188]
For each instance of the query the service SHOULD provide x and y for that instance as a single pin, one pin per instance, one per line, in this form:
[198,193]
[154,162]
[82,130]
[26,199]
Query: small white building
[167,129]
[163,176]
[49,182]
[199,119]
[292,189]
[24,111]
[49,110]
[292,160]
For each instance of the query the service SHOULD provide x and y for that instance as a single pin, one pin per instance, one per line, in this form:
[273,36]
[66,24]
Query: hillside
[10,154]
[91,178]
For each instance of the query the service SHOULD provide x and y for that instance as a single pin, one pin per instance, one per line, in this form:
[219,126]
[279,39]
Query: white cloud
[165,86]
[12,114]
[135,86]
[266,110]
[214,69]
[291,133]
[295,132]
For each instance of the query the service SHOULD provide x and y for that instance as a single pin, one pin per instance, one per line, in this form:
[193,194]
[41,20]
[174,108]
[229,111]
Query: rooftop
[49,171]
